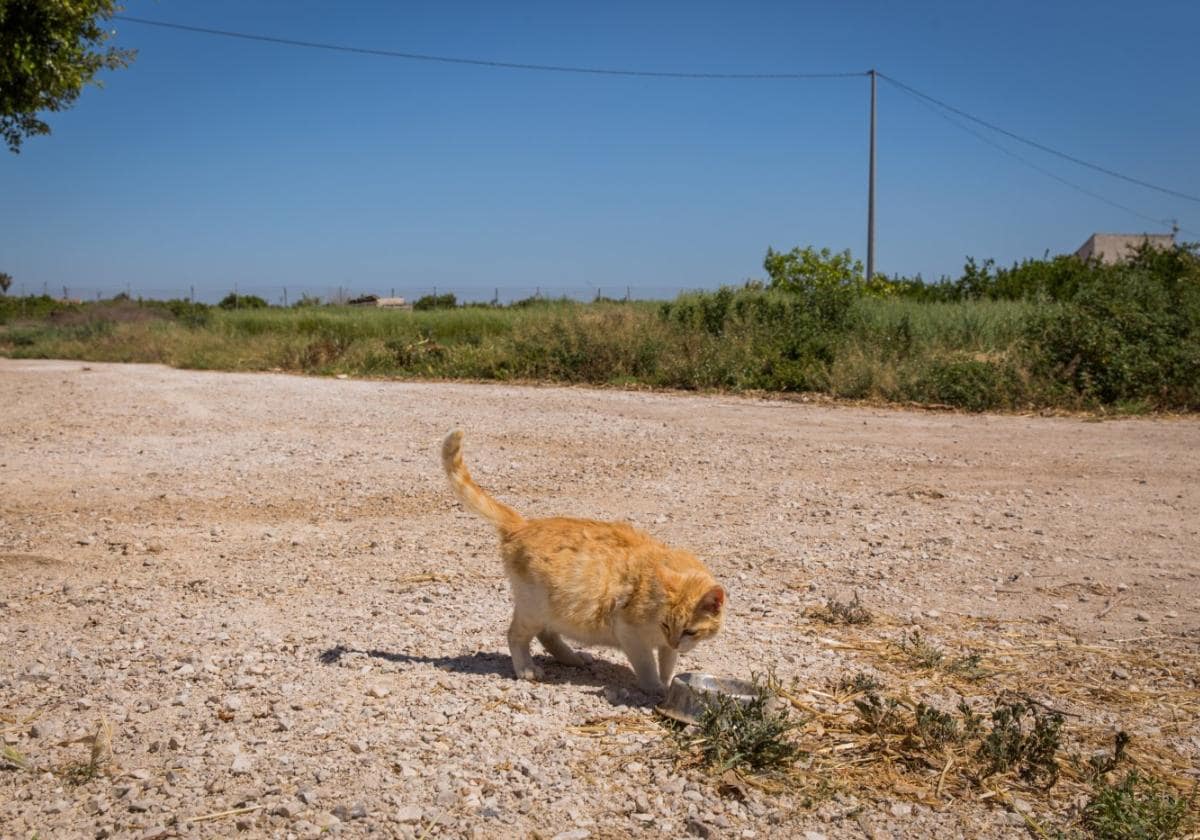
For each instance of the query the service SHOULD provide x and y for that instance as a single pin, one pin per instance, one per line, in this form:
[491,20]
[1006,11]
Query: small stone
[358,747]
[174,743]
[286,810]
[379,691]
[634,767]
[242,764]
[306,795]
[646,818]
[57,807]
[95,805]
[1141,617]
[326,822]
[244,823]
[813,835]
[158,832]
[354,812]
[409,814]
[41,730]
[573,834]
[140,805]
[901,809]
[232,703]
[1119,673]
[698,828]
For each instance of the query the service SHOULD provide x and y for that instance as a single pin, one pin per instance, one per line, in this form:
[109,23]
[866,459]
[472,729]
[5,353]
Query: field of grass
[1047,334]
[954,353]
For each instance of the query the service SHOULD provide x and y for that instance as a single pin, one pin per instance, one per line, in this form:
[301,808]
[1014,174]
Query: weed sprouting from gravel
[11,757]
[1099,765]
[968,667]
[1023,737]
[734,735]
[923,653]
[843,612]
[860,683]
[880,716]
[79,773]
[936,728]
[920,651]
[1136,808]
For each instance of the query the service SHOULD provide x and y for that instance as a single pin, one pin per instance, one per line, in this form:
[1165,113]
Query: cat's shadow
[598,673]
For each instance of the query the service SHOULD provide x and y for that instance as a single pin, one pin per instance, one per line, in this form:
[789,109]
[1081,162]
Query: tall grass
[890,350]
[1125,337]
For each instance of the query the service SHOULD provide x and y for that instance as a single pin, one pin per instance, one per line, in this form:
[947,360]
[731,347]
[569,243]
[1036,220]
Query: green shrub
[427,302]
[236,301]
[965,382]
[1128,334]
[1136,808]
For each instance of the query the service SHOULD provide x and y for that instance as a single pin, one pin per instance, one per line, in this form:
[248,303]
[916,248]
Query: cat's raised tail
[471,494]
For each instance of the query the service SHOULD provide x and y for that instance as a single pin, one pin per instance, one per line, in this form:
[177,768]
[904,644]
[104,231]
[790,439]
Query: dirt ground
[263,586]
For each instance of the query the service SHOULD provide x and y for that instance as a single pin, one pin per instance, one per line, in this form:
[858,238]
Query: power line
[1035,144]
[552,68]
[984,138]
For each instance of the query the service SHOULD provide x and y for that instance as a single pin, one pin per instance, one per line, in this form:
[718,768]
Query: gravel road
[263,585]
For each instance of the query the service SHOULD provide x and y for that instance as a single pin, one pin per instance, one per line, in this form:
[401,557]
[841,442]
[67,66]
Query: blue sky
[213,162]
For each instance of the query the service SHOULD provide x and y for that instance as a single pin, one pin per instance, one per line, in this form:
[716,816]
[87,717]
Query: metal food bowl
[690,694]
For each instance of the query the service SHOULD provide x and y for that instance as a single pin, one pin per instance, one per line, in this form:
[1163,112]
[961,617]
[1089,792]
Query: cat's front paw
[530,672]
[655,688]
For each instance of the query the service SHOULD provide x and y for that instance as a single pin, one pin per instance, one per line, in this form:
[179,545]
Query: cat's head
[695,606]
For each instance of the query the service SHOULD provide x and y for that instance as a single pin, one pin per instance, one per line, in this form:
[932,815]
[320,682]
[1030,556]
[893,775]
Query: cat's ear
[713,601]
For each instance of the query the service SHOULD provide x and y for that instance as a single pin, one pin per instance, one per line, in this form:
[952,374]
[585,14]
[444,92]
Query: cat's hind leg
[560,650]
[520,634]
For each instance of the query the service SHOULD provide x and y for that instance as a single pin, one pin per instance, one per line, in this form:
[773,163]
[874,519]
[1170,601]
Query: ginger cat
[600,583]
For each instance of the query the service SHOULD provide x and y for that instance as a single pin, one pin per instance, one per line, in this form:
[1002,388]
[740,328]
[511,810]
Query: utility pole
[285,297]
[871,190]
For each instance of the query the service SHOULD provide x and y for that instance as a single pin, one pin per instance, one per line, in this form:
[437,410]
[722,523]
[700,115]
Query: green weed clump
[1135,808]
[859,683]
[1023,737]
[842,612]
[732,735]
[923,653]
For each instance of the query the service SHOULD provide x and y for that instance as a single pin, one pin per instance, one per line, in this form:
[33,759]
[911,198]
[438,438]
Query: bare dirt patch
[260,584]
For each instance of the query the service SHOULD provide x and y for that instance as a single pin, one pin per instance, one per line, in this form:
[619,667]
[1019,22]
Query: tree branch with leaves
[50,50]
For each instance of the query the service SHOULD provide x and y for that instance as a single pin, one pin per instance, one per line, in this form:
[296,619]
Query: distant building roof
[1114,247]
